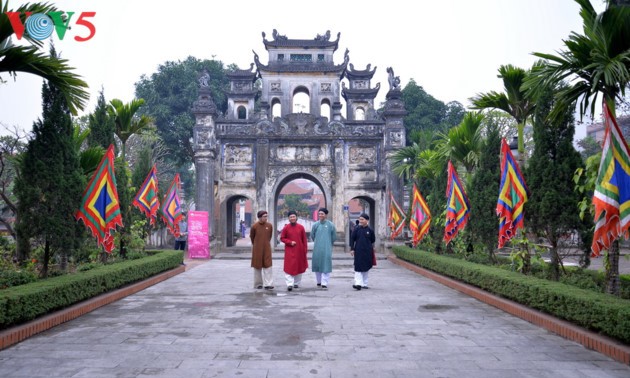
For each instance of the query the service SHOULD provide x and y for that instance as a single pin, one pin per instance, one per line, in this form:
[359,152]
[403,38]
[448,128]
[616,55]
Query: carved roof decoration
[366,74]
[288,66]
[320,41]
[359,93]
[243,74]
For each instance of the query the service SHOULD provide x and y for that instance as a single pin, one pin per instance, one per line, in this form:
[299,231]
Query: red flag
[100,208]
[147,198]
[513,194]
[171,209]
[612,189]
[457,205]
[420,216]
[396,218]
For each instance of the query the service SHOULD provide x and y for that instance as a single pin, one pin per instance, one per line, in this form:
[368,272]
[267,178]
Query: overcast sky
[452,48]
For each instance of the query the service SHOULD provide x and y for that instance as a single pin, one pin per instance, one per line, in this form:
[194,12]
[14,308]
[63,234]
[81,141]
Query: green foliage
[124,198]
[12,275]
[51,182]
[552,207]
[170,93]
[597,61]
[427,114]
[463,143]
[601,313]
[294,202]
[101,124]
[589,146]
[26,302]
[483,224]
[126,122]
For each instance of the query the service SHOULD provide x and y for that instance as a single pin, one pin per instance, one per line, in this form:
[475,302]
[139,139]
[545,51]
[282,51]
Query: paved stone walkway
[209,322]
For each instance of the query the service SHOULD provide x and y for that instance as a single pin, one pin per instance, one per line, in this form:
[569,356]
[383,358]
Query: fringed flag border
[457,205]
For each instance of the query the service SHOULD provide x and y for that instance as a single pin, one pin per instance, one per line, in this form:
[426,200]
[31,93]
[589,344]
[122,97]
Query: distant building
[596,130]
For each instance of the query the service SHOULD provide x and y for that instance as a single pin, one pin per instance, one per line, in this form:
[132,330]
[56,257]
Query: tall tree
[29,59]
[464,142]
[426,114]
[170,93]
[513,100]
[484,223]
[51,182]
[126,122]
[11,147]
[596,62]
[552,207]
[101,124]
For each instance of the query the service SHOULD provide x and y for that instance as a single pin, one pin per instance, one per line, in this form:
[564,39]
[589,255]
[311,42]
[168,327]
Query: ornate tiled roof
[360,74]
[359,93]
[320,41]
[302,66]
[242,74]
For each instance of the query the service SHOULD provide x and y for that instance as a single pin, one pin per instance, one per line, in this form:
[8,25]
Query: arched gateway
[250,154]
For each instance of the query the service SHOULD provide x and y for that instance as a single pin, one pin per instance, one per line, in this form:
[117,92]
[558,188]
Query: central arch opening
[302,194]
[301,100]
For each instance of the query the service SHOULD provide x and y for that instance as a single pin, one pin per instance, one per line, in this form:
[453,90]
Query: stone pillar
[204,148]
[394,134]
[261,172]
[336,111]
[337,186]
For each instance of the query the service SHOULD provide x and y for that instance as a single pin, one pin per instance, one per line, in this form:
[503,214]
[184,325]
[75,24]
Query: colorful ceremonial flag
[612,189]
[420,216]
[171,209]
[396,219]
[457,205]
[513,194]
[147,198]
[100,208]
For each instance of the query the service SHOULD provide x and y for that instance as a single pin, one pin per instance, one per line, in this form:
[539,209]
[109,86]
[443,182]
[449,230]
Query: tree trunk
[555,263]
[22,245]
[63,261]
[612,269]
[123,249]
[44,272]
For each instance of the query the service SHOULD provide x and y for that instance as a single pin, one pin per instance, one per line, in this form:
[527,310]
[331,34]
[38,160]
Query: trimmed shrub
[598,312]
[26,302]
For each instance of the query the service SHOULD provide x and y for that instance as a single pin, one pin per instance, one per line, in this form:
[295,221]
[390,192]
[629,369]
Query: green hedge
[22,303]
[598,312]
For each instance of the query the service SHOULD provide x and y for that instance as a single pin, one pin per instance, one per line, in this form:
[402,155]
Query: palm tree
[595,62]
[513,101]
[29,59]
[464,142]
[126,123]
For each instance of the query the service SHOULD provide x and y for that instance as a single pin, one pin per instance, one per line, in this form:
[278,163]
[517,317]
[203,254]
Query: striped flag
[513,194]
[420,216]
[100,208]
[396,219]
[457,205]
[612,189]
[171,209]
[147,198]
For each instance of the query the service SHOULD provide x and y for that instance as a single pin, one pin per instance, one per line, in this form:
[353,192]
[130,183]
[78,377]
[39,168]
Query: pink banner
[198,238]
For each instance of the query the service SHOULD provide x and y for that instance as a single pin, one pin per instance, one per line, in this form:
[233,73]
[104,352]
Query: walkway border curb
[588,339]
[19,333]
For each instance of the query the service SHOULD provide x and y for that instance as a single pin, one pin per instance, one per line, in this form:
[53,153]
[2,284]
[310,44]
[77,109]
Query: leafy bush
[26,302]
[599,312]
[10,277]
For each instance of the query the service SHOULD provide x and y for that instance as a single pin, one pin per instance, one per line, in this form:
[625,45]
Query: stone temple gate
[251,153]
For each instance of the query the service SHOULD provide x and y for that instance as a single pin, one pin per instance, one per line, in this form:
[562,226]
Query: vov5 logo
[40,26]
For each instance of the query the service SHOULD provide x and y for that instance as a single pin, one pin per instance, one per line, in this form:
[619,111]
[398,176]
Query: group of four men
[323,234]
